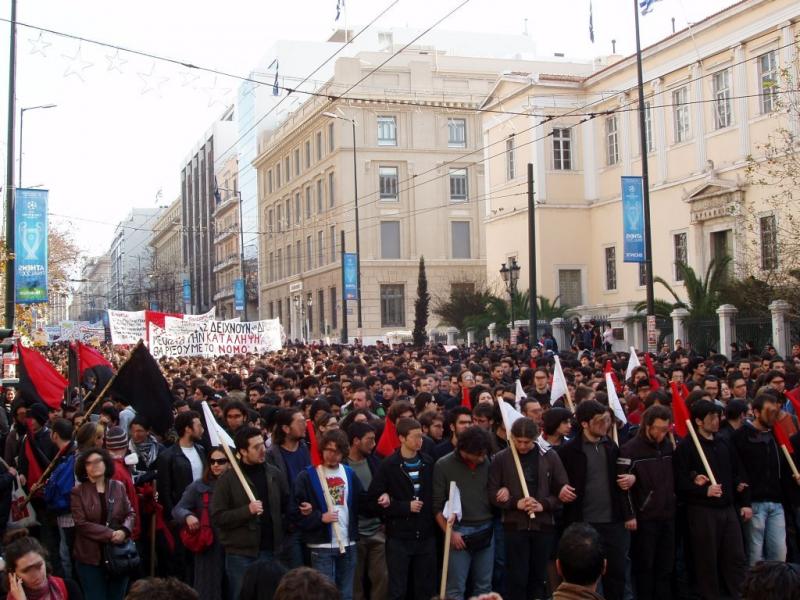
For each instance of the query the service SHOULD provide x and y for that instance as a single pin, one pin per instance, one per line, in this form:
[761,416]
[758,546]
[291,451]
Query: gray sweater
[192,501]
[472,484]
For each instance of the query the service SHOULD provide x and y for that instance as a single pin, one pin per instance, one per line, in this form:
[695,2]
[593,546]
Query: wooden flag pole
[518,465]
[153,534]
[789,459]
[448,536]
[329,503]
[570,405]
[615,435]
[237,469]
[702,454]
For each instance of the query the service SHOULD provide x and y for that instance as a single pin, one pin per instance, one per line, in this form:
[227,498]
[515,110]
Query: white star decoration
[152,82]
[39,45]
[216,95]
[76,65]
[115,62]
[188,78]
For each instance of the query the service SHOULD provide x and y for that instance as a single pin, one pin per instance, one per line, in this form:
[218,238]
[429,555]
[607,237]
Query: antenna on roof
[525,31]
[613,46]
[673,24]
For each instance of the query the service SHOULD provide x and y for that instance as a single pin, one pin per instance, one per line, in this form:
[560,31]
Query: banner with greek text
[216,338]
[30,246]
[127,327]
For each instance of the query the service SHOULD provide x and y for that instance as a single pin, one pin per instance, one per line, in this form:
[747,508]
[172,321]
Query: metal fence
[757,330]
[704,335]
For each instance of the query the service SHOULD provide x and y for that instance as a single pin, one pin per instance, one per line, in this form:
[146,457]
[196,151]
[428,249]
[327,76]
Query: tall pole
[241,257]
[12,92]
[532,291]
[21,121]
[511,305]
[344,295]
[648,246]
[358,237]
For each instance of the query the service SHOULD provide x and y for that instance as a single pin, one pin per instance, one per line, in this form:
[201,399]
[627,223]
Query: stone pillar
[452,332]
[492,332]
[727,327]
[470,337]
[431,337]
[560,332]
[618,322]
[585,319]
[634,331]
[679,316]
[780,327]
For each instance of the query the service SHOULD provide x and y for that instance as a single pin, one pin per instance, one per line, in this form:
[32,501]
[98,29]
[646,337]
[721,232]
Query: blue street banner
[632,220]
[187,291]
[351,276]
[238,294]
[30,246]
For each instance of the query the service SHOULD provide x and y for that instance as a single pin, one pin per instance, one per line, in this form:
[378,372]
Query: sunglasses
[218,461]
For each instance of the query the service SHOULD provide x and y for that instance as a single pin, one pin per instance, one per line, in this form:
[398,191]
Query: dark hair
[761,399]
[582,393]
[305,583]
[207,391]
[525,428]
[397,408]
[406,426]
[157,588]
[184,420]
[453,414]
[427,418]
[553,419]
[421,400]
[283,418]
[484,409]
[307,382]
[358,431]
[474,441]
[316,406]
[587,410]
[207,475]
[234,405]
[338,437]
[110,412]
[703,408]
[80,464]
[772,580]
[580,554]
[20,546]
[735,409]
[140,420]
[243,435]
[652,414]
[63,429]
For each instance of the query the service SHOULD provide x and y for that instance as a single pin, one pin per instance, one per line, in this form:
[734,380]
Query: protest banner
[215,338]
[127,327]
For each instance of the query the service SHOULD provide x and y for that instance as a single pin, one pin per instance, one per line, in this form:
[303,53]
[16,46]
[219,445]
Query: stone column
[634,332]
[470,337]
[492,332]
[618,322]
[780,327]
[452,332]
[727,327]
[679,316]
[560,332]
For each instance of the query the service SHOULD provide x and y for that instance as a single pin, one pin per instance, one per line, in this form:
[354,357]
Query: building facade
[90,300]
[712,98]
[228,258]
[130,260]
[166,276]
[419,181]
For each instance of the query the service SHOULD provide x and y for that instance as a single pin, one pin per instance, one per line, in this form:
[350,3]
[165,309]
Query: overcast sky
[124,124]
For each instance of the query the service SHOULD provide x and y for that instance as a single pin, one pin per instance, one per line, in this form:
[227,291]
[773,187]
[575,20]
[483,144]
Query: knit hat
[39,412]
[116,439]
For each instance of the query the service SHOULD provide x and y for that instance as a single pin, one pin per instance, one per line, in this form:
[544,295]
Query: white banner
[83,331]
[127,327]
[217,338]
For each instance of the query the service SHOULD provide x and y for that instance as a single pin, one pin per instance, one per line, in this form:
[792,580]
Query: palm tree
[547,310]
[702,294]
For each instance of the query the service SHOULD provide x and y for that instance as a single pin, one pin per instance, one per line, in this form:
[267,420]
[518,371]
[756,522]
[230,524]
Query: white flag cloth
[559,387]
[509,413]
[216,433]
[633,362]
[519,394]
[453,505]
[613,399]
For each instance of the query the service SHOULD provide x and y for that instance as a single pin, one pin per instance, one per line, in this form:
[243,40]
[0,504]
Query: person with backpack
[58,489]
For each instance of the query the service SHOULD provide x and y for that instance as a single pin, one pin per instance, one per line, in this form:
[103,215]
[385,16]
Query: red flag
[794,398]
[90,359]
[465,401]
[389,441]
[316,458]
[680,412]
[610,369]
[782,438]
[39,381]
[651,371]
[35,470]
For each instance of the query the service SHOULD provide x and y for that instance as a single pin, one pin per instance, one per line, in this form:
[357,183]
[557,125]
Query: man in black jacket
[653,498]
[403,488]
[598,490]
[714,531]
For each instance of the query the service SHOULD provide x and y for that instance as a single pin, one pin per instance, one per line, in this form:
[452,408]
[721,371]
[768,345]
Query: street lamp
[21,118]
[510,276]
[355,195]
[309,304]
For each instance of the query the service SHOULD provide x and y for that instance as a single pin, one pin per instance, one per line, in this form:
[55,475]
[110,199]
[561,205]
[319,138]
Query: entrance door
[722,246]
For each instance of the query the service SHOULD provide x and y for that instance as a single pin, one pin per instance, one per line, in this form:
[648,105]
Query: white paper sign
[127,327]
[216,338]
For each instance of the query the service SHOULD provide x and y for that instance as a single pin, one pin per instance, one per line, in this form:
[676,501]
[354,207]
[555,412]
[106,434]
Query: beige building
[227,237]
[166,280]
[710,103]
[420,191]
[90,300]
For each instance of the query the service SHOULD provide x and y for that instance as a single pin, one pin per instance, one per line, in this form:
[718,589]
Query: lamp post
[355,196]
[21,121]
[309,304]
[510,276]
[241,248]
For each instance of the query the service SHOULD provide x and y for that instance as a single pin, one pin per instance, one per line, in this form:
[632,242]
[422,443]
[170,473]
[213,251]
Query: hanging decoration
[115,62]
[77,66]
[39,45]
[152,81]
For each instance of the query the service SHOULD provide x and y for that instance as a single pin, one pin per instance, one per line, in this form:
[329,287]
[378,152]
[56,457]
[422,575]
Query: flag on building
[559,386]
[39,381]
[591,23]
[339,7]
[276,90]
[647,5]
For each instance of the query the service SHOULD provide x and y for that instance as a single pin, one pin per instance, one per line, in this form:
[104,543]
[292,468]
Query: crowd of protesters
[616,508]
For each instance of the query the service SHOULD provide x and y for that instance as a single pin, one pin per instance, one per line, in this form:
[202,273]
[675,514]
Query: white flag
[216,433]
[519,394]
[613,399]
[453,505]
[633,362]
[510,414]
[559,387]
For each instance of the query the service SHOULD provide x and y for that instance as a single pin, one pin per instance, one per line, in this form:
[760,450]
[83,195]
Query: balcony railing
[229,260]
[223,293]
[223,234]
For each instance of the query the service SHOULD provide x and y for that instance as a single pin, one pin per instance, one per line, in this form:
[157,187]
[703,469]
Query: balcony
[229,199]
[231,259]
[224,293]
[224,234]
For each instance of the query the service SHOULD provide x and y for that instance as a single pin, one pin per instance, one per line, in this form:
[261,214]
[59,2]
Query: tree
[460,305]
[547,310]
[703,294]
[421,306]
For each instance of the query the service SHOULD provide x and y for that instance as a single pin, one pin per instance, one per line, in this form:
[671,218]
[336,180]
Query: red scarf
[149,505]
[55,589]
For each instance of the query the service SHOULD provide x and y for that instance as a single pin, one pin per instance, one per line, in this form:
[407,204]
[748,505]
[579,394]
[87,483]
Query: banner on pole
[238,294]
[187,291]
[351,276]
[633,220]
[30,246]
[216,338]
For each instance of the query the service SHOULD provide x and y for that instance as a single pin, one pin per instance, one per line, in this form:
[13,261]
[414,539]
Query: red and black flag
[140,381]
[94,370]
[39,381]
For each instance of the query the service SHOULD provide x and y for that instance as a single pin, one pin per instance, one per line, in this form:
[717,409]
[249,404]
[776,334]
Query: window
[271,267]
[288,213]
[320,197]
[269,181]
[278,218]
[393,312]
[612,141]
[648,128]
[680,253]
[319,145]
[309,313]
[269,221]
[387,131]
[309,256]
[308,202]
[279,264]
[298,212]
[334,313]
[642,274]
[287,169]
[457,133]
[458,185]
[611,267]
[390,239]
[280,309]
[330,190]
[271,310]
[562,149]
[278,176]
[289,260]
[510,159]
[297,161]
[460,239]
[769,242]
[308,154]
[768,80]
[387,183]
[570,291]
[299,258]
[331,139]
[680,109]
[332,242]
[320,249]
[723,110]
[321,311]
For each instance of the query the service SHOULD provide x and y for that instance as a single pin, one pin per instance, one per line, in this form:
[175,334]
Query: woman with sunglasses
[28,578]
[208,564]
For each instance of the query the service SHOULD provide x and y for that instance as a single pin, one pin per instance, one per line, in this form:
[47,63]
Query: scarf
[51,591]
[147,451]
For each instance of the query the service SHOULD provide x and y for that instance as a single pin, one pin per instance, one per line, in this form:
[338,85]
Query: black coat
[724,465]
[764,466]
[175,474]
[653,494]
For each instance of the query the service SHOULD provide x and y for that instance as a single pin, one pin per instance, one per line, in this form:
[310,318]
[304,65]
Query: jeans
[371,560]
[766,533]
[526,574]
[65,550]
[462,562]
[417,557]
[293,548]
[98,584]
[236,565]
[339,568]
